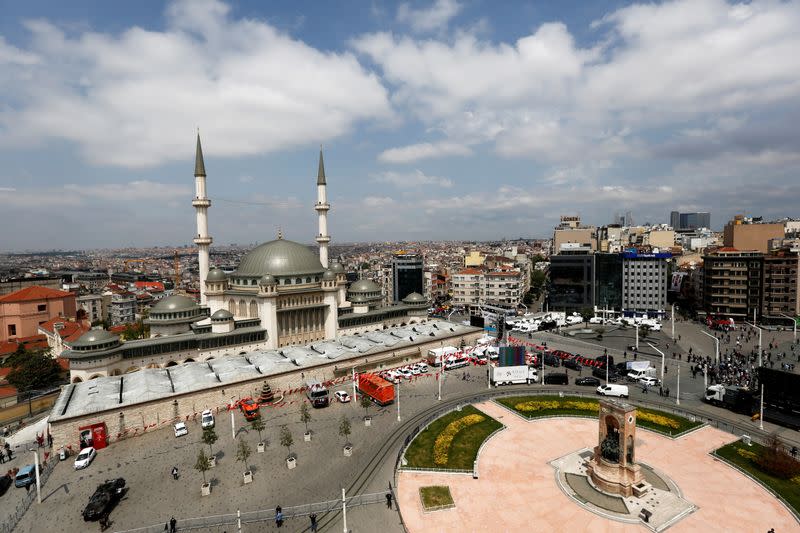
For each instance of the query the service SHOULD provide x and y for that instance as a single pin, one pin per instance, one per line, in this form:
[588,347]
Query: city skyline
[440,120]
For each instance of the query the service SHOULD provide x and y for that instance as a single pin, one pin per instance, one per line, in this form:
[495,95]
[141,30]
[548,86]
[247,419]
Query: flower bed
[541,406]
[452,441]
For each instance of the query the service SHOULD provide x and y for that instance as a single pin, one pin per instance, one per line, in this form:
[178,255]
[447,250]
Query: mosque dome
[415,298]
[280,258]
[222,314]
[267,280]
[174,304]
[95,339]
[336,268]
[329,275]
[364,291]
[215,274]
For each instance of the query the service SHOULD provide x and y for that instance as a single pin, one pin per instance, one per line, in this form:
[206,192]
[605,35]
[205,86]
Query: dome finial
[280,233]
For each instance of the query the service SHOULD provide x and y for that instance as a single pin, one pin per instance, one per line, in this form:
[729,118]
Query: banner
[677,281]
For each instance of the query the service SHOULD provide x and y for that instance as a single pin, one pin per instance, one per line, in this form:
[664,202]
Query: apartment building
[473,287]
[732,282]
[122,308]
[571,231]
[22,311]
[744,233]
[781,283]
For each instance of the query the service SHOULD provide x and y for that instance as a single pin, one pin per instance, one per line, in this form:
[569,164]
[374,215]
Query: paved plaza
[517,489]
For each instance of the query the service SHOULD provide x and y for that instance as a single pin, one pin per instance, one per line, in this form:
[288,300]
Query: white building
[644,281]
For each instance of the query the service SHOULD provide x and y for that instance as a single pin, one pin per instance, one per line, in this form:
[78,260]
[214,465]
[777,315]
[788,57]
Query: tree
[203,464]
[644,330]
[33,371]
[774,459]
[286,438]
[243,452]
[209,437]
[586,313]
[538,280]
[344,427]
[258,425]
[365,403]
[305,415]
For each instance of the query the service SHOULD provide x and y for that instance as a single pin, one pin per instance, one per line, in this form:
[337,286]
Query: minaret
[201,203]
[322,208]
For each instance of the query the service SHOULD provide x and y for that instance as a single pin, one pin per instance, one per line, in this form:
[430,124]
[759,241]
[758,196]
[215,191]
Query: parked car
[588,381]
[180,429]
[620,391]
[26,476]
[207,419]
[5,482]
[572,364]
[85,457]
[392,376]
[552,360]
[601,373]
[414,370]
[423,367]
[104,499]
[556,378]
[342,396]
[649,381]
[404,373]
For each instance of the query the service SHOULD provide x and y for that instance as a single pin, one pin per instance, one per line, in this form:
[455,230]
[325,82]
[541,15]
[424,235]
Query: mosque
[282,294]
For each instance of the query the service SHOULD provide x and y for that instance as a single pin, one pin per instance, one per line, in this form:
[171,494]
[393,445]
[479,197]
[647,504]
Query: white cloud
[134,190]
[417,178]
[435,17]
[378,201]
[415,152]
[133,99]
[7,189]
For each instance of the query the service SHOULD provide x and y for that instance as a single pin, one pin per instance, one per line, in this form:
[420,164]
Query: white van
[620,391]
[636,375]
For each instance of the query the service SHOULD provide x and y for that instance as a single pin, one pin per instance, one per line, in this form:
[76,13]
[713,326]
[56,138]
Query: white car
[649,381]
[414,369]
[423,367]
[342,396]
[85,458]
[392,376]
[207,419]
[180,429]
[596,320]
[404,373]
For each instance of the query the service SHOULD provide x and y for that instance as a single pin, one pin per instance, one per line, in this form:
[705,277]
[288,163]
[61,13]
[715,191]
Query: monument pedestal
[614,478]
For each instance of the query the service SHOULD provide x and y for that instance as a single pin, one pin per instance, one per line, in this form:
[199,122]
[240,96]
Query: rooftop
[30,294]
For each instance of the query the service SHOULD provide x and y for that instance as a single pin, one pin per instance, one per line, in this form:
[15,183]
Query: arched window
[298,281]
[242,308]
[308,280]
[253,309]
[232,306]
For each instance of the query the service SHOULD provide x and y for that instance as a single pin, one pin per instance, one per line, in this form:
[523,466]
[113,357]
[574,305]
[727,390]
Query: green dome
[95,338]
[329,275]
[280,258]
[174,303]
[267,280]
[216,274]
[336,268]
[415,298]
[222,314]
[364,286]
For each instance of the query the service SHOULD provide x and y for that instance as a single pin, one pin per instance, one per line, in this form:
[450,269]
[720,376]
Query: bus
[317,393]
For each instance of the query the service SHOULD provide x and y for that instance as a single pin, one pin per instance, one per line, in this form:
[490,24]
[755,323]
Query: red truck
[377,388]
[249,408]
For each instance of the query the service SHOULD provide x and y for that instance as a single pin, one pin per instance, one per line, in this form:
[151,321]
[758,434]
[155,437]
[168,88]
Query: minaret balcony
[202,241]
[201,202]
[323,238]
[322,207]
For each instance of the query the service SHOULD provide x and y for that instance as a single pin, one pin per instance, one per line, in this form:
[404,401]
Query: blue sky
[444,119]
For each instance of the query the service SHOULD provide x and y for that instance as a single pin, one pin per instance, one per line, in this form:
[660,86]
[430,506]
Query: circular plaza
[517,482]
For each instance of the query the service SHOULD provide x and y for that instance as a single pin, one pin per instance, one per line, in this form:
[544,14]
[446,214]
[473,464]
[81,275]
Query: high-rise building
[644,281]
[732,283]
[689,221]
[571,285]
[406,275]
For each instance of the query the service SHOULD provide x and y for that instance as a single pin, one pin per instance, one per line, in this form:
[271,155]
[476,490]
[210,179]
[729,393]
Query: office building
[689,221]
[571,286]
[406,275]
[644,282]
[570,231]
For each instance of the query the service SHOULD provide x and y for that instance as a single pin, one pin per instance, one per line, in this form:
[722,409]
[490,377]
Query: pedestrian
[49,440]
[278,516]
[389,500]
[660,390]
[313,518]
[173,525]
[2,457]
[166,526]
[667,392]
[175,473]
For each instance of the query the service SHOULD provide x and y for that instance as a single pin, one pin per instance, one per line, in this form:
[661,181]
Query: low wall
[131,420]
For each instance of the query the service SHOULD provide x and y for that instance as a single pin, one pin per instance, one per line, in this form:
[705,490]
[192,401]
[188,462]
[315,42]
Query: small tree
[365,403]
[305,415]
[644,330]
[344,427]
[210,437]
[203,464]
[258,425]
[586,314]
[286,438]
[775,460]
[243,453]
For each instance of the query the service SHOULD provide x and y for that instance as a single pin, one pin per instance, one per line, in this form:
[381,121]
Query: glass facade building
[406,275]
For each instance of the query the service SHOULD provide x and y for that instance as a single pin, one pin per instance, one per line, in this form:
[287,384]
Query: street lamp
[716,349]
[678,395]
[637,336]
[672,316]
[794,324]
[759,341]
[36,466]
[398,400]
[662,361]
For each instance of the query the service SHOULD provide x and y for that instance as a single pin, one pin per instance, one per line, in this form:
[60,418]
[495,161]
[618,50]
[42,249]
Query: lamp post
[759,338]
[398,401]
[672,316]
[794,325]
[716,349]
[662,362]
[760,416]
[637,336]
[37,473]
[678,395]
[344,512]
[233,422]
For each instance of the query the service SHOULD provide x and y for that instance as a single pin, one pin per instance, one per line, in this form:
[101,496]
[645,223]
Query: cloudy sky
[443,119]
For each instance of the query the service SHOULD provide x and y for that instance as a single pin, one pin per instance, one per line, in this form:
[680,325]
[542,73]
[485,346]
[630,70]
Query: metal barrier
[22,507]
[267,515]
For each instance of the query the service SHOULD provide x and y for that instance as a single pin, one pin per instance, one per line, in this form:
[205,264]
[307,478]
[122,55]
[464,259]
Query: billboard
[676,281]
[511,356]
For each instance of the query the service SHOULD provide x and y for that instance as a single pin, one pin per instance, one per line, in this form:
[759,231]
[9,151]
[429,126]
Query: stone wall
[131,420]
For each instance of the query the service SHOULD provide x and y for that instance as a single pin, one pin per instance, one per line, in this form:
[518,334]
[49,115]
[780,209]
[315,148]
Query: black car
[556,378]
[571,363]
[588,381]
[104,499]
[5,482]
[601,373]
[551,360]
[603,358]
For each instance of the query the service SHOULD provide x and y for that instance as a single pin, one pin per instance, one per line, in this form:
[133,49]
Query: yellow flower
[747,454]
[659,420]
[544,405]
[442,445]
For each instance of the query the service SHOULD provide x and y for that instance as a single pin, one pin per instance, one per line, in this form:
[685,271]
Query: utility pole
[760,416]
[716,341]
[673,321]
[662,362]
[678,396]
[38,475]
[398,401]
[344,512]
[233,426]
[637,336]
[441,378]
